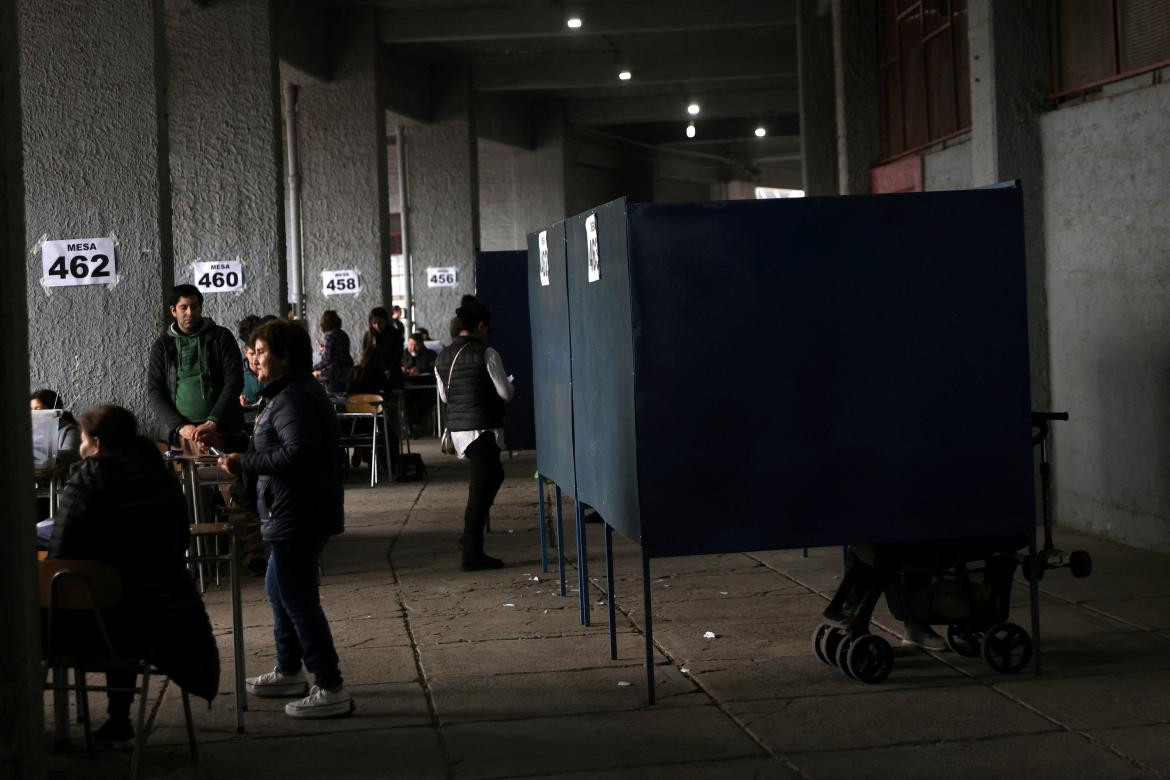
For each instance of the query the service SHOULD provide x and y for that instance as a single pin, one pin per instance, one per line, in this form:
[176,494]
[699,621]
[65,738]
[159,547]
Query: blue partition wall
[501,284]
[883,395]
[552,391]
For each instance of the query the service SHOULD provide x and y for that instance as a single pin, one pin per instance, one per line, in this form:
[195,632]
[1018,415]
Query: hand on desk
[231,464]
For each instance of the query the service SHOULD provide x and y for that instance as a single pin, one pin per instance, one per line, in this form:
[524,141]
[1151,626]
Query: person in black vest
[472,381]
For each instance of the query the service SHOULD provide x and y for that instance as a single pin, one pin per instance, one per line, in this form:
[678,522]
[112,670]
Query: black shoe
[481,562]
[115,732]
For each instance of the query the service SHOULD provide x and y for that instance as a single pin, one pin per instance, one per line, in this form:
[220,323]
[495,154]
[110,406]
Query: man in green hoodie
[194,376]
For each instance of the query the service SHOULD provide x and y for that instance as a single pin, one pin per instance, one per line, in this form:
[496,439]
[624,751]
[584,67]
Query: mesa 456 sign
[76,261]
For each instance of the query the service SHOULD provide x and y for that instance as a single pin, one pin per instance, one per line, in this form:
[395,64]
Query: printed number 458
[79,267]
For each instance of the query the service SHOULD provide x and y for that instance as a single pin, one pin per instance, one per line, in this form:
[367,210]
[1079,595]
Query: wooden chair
[78,587]
[373,405]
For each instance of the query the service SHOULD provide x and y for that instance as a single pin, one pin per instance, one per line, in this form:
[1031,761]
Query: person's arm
[326,360]
[441,386]
[71,523]
[495,368]
[233,375]
[159,394]
[298,427]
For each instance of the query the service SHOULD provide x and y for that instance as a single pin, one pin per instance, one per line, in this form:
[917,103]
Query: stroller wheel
[817,638]
[1007,648]
[964,640]
[1080,563]
[829,643]
[869,659]
[842,656]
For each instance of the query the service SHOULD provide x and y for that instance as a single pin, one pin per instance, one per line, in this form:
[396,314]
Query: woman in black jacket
[293,470]
[121,506]
[336,363]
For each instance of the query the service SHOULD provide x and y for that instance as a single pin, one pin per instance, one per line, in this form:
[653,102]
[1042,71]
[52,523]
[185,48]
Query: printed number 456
[79,267]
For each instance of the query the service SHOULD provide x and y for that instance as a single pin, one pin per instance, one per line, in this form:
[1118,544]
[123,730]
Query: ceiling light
[574,22]
[691,130]
[625,75]
[693,109]
[761,132]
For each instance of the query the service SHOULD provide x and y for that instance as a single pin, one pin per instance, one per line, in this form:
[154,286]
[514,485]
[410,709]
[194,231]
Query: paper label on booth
[76,261]
[346,282]
[591,245]
[220,276]
[442,277]
[542,240]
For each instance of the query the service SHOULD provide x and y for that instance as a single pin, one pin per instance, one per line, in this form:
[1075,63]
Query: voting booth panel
[884,396]
[501,284]
[552,392]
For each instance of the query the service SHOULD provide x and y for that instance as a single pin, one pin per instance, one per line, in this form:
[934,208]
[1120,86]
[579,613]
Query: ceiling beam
[715,103]
[590,70]
[710,130]
[611,17]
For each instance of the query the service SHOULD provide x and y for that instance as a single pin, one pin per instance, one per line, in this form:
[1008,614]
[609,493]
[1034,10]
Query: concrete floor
[491,675]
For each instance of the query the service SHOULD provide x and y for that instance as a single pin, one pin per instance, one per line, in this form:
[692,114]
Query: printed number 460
[79,267]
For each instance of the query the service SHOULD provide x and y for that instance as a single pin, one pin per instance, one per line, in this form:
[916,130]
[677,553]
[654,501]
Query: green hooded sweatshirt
[194,396]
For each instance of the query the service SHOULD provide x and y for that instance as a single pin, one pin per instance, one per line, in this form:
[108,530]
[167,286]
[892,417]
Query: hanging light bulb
[693,109]
[625,75]
[691,130]
[761,132]
[574,22]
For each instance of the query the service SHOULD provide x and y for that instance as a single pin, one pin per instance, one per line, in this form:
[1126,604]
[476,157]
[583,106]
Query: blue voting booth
[884,395]
[501,284]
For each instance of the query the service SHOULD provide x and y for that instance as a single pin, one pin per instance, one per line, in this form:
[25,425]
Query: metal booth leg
[543,530]
[560,539]
[582,564]
[646,607]
[610,591]
[1034,569]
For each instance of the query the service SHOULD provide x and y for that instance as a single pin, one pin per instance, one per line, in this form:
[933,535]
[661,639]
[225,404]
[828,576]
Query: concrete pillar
[443,202]
[344,204]
[854,35]
[95,166]
[818,149]
[1009,78]
[22,731]
[225,133]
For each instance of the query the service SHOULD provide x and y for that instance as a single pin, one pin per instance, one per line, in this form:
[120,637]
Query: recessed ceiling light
[691,130]
[625,75]
[574,22]
[693,109]
[761,132]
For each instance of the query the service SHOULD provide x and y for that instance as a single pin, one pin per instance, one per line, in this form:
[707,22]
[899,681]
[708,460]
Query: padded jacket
[227,376]
[292,463]
[128,511]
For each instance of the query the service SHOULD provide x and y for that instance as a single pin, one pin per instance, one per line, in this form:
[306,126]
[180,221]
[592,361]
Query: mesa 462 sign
[76,261]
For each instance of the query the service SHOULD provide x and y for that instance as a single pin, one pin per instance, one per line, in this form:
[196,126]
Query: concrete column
[818,149]
[226,150]
[854,35]
[22,731]
[344,204]
[93,81]
[1009,78]
[443,202]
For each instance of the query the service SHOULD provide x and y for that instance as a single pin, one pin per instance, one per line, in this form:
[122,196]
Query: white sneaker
[321,703]
[277,685]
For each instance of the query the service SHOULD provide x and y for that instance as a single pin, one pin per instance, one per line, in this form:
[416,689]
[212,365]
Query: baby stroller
[965,584]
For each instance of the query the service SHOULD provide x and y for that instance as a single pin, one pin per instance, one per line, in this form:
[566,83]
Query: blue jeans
[302,632]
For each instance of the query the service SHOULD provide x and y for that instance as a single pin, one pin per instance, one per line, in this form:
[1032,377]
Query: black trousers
[483,460]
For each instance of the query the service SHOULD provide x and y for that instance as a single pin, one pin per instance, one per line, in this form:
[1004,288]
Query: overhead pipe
[403,200]
[296,268]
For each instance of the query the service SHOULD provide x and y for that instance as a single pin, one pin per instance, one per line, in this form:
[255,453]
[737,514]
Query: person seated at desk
[336,363]
[417,360]
[68,434]
[122,507]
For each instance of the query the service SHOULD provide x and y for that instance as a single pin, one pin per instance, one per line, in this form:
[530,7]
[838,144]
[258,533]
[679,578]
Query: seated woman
[336,363]
[68,434]
[121,506]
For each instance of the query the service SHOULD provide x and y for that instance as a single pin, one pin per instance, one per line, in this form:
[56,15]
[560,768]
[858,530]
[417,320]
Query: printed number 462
[79,267]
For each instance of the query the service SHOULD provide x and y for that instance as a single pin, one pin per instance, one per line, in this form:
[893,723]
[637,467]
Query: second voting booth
[879,392]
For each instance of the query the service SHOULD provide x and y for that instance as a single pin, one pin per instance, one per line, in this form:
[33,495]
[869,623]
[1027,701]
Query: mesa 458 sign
[77,261]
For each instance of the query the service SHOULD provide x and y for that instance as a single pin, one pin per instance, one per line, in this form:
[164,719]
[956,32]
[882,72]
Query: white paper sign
[591,244]
[219,276]
[542,240]
[442,277]
[347,282]
[75,261]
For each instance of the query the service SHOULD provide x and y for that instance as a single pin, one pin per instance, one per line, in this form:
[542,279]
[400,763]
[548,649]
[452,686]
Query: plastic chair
[92,586]
[373,405]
